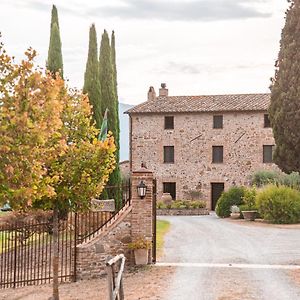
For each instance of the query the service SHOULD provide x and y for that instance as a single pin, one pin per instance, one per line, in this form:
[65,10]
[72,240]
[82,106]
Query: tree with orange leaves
[50,155]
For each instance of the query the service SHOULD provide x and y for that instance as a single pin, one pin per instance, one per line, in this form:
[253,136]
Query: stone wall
[92,256]
[133,222]
[243,136]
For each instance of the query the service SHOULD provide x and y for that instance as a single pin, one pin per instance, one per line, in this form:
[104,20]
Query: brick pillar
[141,222]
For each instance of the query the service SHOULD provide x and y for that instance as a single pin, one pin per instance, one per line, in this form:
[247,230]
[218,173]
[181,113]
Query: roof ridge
[217,95]
[205,103]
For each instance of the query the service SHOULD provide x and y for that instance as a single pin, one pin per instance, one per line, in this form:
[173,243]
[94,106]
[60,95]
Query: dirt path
[216,241]
[148,283]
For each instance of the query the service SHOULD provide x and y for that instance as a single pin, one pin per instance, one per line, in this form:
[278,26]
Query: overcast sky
[195,46]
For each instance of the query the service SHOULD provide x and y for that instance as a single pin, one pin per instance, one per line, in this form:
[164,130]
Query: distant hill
[124,131]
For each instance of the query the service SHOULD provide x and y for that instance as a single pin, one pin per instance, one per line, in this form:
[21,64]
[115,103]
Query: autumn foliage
[50,155]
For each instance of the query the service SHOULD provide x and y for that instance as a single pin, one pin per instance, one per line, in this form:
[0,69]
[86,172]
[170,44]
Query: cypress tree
[115,85]
[108,96]
[91,77]
[114,65]
[55,60]
[54,16]
[285,94]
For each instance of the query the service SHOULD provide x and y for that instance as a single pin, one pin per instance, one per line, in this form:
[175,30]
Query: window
[218,122]
[168,154]
[170,187]
[268,153]
[169,122]
[267,122]
[217,154]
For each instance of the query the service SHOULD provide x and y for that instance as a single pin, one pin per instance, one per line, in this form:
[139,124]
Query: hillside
[124,131]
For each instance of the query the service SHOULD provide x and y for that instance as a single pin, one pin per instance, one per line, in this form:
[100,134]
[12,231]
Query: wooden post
[115,285]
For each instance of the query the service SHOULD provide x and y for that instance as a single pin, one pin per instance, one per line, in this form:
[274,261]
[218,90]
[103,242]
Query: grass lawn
[162,227]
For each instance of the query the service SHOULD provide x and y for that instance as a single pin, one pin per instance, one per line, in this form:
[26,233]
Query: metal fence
[26,246]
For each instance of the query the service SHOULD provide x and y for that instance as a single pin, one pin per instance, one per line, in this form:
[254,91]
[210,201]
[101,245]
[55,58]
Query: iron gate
[26,245]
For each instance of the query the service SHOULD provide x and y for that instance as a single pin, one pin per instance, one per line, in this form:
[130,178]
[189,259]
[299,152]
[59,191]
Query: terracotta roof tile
[210,103]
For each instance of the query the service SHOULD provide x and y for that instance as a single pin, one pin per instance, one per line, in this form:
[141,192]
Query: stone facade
[243,136]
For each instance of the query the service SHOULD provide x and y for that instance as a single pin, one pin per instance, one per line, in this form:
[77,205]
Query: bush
[182,204]
[197,204]
[292,180]
[234,196]
[261,178]
[161,205]
[279,204]
[249,198]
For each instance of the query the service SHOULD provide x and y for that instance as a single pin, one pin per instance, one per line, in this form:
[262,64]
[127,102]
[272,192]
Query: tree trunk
[55,295]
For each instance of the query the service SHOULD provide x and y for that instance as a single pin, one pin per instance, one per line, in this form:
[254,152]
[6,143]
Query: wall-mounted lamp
[141,189]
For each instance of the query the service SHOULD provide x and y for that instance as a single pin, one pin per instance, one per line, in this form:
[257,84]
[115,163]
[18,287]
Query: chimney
[163,91]
[151,94]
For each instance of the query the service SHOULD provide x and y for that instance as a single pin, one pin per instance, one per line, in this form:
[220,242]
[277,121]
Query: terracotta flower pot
[249,215]
[141,256]
[166,198]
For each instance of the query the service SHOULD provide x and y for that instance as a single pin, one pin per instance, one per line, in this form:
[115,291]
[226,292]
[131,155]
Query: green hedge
[262,178]
[234,196]
[182,204]
[279,204]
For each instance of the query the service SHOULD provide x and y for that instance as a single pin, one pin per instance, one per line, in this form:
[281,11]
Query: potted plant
[249,210]
[235,212]
[141,248]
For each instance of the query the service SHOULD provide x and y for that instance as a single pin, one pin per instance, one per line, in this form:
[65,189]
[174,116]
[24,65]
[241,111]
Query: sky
[196,47]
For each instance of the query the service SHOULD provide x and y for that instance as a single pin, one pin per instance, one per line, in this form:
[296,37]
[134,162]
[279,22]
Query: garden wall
[92,256]
[132,222]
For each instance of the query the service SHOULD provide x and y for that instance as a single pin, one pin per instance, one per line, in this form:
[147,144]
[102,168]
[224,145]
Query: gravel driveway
[204,247]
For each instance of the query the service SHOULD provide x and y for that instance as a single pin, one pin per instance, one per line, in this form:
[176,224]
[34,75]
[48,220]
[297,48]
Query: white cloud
[221,56]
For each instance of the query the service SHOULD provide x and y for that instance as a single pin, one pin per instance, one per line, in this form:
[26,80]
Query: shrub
[140,243]
[161,205]
[234,196]
[249,198]
[261,178]
[279,204]
[246,207]
[197,204]
[182,204]
[292,180]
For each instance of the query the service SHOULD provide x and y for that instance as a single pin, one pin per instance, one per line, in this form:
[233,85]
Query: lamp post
[141,189]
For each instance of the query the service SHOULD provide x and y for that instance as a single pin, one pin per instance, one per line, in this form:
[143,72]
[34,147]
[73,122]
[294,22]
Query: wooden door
[216,191]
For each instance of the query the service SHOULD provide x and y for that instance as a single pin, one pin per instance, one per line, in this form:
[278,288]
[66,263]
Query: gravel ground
[208,239]
[147,283]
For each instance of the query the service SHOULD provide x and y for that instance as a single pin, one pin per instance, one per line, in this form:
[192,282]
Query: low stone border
[182,212]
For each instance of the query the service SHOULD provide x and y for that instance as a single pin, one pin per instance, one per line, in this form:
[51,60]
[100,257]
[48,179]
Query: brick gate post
[141,222]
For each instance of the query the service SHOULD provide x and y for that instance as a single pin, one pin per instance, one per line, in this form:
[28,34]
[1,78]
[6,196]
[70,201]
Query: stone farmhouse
[201,144]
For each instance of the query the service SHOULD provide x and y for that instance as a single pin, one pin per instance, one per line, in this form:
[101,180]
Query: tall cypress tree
[91,77]
[113,61]
[285,94]
[108,96]
[115,85]
[55,60]
[54,16]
